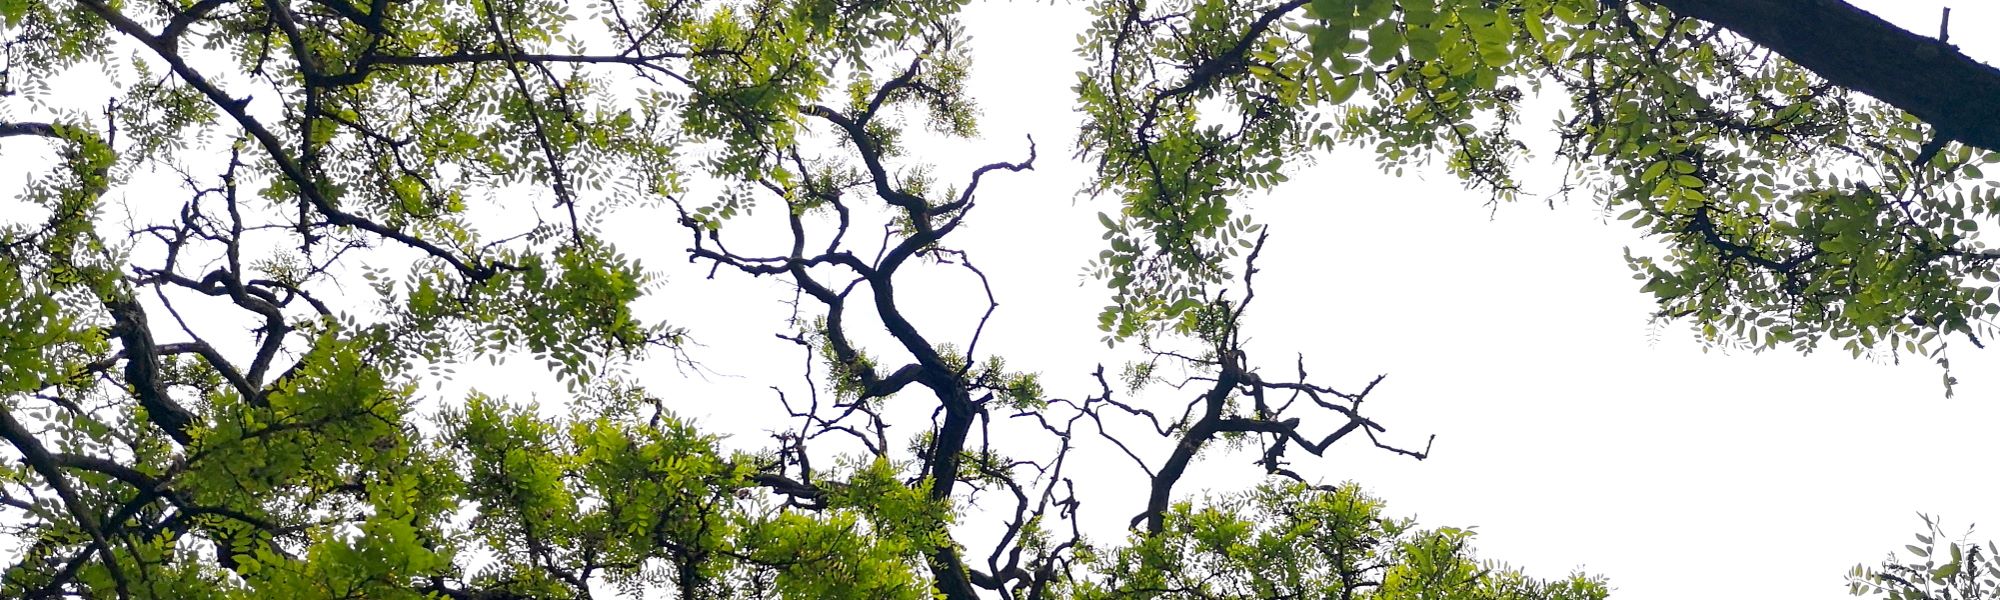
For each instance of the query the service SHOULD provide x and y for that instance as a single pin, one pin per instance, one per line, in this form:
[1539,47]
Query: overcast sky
[1570,433]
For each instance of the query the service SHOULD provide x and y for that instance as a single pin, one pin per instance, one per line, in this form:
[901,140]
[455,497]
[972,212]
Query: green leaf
[1343,89]
[1385,41]
[1330,9]
[13,10]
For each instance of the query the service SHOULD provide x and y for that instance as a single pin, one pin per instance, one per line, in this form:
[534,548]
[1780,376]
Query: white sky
[1568,433]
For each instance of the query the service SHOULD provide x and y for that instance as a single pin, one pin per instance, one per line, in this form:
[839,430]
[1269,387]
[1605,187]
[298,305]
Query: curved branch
[27,128]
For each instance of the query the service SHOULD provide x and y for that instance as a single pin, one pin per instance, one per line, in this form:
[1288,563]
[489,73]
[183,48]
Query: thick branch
[142,370]
[871,157]
[1213,401]
[39,129]
[812,494]
[1860,51]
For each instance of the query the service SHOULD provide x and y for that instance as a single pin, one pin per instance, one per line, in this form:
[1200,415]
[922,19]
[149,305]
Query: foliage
[1295,541]
[1949,569]
[1792,212]
[219,304]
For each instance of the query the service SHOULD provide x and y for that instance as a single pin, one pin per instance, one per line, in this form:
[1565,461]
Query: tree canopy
[1795,211]
[221,303]
[1938,568]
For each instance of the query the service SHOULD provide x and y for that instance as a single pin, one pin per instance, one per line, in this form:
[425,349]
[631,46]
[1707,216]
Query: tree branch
[28,128]
[142,370]
[38,458]
[1859,51]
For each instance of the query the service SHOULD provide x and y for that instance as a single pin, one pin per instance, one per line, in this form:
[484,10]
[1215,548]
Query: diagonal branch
[39,459]
[1859,51]
[238,110]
